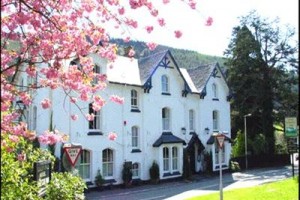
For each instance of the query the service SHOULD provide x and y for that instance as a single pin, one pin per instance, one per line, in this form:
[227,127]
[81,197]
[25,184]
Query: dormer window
[215,91]
[165,85]
[134,101]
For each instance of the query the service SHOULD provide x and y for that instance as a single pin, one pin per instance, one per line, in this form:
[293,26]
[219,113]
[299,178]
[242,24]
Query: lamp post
[245,117]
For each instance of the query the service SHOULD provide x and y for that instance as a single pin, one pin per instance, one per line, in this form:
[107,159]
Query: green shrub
[235,166]
[186,166]
[99,181]
[65,186]
[154,172]
[127,173]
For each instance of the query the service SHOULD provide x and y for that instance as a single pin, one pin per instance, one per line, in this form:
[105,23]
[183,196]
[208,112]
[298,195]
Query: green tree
[259,56]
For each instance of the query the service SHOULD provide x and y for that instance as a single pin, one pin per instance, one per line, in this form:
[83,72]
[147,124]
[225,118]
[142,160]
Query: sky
[209,40]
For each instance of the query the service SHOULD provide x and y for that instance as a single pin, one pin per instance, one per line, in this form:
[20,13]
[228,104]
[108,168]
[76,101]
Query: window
[135,170]
[165,119]
[84,166]
[215,120]
[107,163]
[97,70]
[174,158]
[215,91]
[191,120]
[164,84]
[166,158]
[94,124]
[135,136]
[134,99]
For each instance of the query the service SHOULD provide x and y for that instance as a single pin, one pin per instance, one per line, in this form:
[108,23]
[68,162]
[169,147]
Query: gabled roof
[149,64]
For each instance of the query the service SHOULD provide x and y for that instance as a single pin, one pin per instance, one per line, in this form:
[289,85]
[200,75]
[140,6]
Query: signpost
[291,133]
[220,139]
[42,174]
[72,153]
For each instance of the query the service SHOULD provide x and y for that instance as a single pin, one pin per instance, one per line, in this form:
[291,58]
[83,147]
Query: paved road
[201,185]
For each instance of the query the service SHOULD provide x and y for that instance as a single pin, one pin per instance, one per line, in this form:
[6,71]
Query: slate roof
[200,75]
[195,140]
[167,138]
[147,65]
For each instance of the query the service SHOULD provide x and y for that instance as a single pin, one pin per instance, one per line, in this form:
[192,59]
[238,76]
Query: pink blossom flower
[131,53]
[161,21]
[26,98]
[74,117]
[149,29]
[178,34]
[46,103]
[151,45]
[192,4]
[117,99]
[14,138]
[121,11]
[166,1]
[90,117]
[31,71]
[154,12]
[73,99]
[21,157]
[209,21]
[112,136]
[127,39]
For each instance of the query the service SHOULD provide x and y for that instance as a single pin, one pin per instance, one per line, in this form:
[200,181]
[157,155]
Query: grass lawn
[281,190]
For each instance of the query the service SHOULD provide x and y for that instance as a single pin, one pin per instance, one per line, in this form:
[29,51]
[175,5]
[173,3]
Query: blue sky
[210,40]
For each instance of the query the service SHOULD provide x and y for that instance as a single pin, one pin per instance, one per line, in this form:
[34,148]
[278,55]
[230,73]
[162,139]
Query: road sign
[220,139]
[290,129]
[73,153]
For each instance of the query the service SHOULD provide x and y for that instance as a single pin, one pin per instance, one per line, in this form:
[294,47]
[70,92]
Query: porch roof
[211,140]
[167,138]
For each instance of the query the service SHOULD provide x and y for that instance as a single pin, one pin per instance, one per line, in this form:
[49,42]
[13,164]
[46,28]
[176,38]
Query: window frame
[175,158]
[135,170]
[192,120]
[135,137]
[166,119]
[215,119]
[165,85]
[95,124]
[166,159]
[108,162]
[83,157]
[134,99]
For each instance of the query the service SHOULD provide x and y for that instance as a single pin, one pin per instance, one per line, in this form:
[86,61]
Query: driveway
[179,190]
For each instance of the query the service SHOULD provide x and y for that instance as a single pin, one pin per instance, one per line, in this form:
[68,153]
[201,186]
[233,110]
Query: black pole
[293,164]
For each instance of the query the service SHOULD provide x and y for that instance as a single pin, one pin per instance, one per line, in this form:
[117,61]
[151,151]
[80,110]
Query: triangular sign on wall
[220,139]
[73,154]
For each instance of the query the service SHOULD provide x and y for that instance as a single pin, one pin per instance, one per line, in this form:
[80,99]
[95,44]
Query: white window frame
[85,165]
[165,84]
[217,154]
[166,119]
[215,117]
[191,120]
[108,163]
[135,137]
[134,99]
[135,170]
[175,158]
[95,124]
[215,90]
[166,159]
[96,70]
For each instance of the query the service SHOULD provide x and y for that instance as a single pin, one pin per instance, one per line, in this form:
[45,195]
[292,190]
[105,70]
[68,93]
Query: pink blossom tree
[36,32]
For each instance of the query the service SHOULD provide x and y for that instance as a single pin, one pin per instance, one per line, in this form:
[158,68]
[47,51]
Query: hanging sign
[73,154]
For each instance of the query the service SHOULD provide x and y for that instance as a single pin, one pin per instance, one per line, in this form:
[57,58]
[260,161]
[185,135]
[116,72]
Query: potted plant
[127,174]
[154,172]
[99,181]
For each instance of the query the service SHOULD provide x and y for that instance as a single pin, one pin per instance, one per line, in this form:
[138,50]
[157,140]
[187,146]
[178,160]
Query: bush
[186,166]
[208,161]
[127,173]
[154,172]
[99,181]
[65,186]
[235,166]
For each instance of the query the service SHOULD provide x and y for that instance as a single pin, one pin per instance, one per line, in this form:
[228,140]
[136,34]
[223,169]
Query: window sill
[109,181]
[215,99]
[136,151]
[94,133]
[166,93]
[171,174]
[135,110]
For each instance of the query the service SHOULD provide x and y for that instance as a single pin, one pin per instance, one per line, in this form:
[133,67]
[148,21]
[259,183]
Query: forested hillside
[184,58]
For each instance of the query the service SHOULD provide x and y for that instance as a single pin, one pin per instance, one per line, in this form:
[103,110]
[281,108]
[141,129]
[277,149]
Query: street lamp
[245,116]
